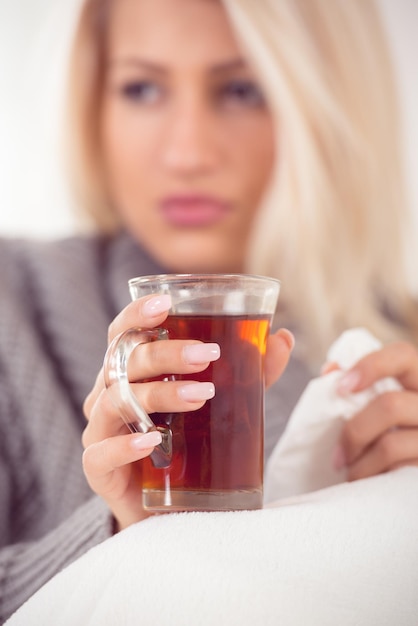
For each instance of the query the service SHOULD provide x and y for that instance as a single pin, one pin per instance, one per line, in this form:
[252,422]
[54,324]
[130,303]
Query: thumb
[279,349]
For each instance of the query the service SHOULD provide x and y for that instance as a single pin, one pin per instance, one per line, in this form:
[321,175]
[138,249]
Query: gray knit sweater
[56,301]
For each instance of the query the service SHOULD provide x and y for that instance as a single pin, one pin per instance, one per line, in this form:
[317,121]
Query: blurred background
[33,41]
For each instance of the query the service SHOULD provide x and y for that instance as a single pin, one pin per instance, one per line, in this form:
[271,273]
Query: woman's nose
[190,145]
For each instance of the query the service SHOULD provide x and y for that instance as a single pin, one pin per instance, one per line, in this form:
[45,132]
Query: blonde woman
[212,137]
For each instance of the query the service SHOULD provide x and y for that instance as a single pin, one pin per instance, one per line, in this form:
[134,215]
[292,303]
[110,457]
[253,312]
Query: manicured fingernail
[329,366]
[156,305]
[348,382]
[146,440]
[287,337]
[196,392]
[338,458]
[201,353]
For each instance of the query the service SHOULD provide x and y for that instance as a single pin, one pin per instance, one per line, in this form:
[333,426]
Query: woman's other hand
[384,435]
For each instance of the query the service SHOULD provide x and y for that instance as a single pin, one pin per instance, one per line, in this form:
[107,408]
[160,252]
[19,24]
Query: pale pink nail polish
[201,353]
[196,392]
[328,367]
[156,305]
[348,383]
[146,440]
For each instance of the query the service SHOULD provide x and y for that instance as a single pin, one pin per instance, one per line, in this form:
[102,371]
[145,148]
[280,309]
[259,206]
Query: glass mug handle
[115,368]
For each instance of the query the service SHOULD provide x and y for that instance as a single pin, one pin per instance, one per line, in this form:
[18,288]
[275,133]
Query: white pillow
[343,556]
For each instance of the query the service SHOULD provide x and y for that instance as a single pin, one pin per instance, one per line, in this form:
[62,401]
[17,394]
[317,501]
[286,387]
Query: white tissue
[302,459]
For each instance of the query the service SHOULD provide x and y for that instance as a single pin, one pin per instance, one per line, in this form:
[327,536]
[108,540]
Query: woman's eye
[242,92]
[141,91]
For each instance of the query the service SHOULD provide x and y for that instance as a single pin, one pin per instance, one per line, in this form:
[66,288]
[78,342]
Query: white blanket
[346,556]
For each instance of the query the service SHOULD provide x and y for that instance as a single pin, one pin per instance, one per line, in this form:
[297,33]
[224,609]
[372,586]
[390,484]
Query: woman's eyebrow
[137,62]
[159,68]
[229,66]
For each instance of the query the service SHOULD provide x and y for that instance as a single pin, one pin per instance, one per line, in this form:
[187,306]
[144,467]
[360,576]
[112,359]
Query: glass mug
[210,459]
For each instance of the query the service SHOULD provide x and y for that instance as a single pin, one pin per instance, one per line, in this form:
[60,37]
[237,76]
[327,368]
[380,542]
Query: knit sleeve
[25,567]
[48,515]
[37,538]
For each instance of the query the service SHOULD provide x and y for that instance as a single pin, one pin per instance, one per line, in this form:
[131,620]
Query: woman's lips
[193,210]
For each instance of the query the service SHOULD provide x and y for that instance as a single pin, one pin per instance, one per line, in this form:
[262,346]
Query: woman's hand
[384,435]
[110,450]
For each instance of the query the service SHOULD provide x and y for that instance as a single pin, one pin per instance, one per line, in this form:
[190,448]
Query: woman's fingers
[157,358]
[146,312]
[397,360]
[112,472]
[384,435]
[162,397]
[102,458]
[384,413]
[393,449]
[171,357]
[279,348]
[175,356]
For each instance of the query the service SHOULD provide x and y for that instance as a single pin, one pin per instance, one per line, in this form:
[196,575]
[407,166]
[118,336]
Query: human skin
[187,137]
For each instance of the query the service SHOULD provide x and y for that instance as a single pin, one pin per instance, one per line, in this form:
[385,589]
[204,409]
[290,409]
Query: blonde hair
[82,143]
[332,223]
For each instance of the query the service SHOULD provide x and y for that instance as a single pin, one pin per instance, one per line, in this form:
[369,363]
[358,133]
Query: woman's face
[186,135]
